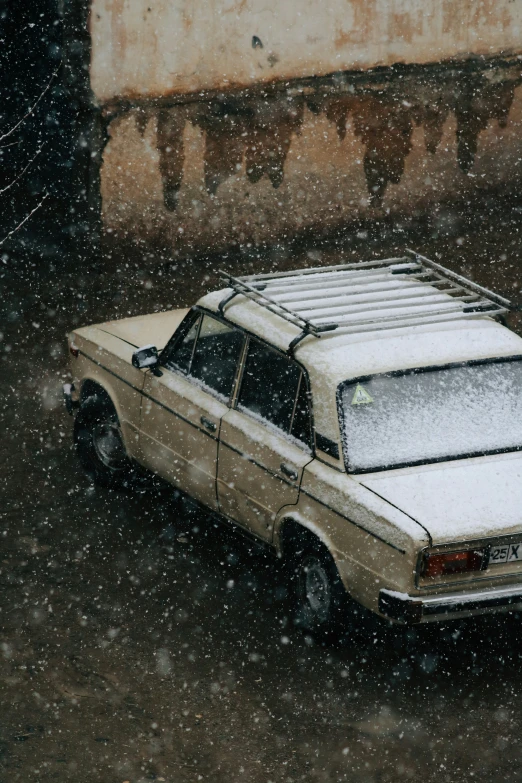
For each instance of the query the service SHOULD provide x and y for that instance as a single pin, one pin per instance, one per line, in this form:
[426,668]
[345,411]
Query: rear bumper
[408,609]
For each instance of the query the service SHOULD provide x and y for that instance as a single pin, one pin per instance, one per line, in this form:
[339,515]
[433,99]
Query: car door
[264,440]
[182,409]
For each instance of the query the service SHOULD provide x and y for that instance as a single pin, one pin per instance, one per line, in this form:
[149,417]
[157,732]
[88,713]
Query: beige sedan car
[364,421]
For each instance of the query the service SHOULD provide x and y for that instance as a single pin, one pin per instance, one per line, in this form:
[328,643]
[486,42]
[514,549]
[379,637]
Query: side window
[272,387]
[181,357]
[216,355]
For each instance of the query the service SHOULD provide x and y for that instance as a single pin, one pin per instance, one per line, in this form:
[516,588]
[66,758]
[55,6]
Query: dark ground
[136,645]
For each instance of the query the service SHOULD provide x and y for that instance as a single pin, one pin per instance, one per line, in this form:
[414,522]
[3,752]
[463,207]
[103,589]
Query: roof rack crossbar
[447,318]
[335,268]
[332,283]
[340,282]
[294,298]
[331,280]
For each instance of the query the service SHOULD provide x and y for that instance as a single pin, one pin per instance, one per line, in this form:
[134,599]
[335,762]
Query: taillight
[73,350]
[453,563]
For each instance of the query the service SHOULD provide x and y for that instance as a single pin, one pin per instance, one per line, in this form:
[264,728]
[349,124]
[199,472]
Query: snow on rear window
[421,416]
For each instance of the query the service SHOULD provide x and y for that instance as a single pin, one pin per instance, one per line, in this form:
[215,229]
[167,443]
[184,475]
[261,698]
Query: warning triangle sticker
[361,396]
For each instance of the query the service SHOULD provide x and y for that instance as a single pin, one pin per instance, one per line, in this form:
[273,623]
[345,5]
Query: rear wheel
[320,598]
[99,443]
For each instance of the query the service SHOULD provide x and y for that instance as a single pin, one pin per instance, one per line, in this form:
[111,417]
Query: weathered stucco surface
[153,48]
[232,171]
[203,155]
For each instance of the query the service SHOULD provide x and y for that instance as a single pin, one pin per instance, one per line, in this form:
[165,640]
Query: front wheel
[99,443]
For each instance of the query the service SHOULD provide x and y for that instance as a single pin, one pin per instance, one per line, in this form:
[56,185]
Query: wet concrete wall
[155,48]
[247,169]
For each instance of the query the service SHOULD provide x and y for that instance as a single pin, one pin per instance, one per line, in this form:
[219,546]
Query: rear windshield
[431,415]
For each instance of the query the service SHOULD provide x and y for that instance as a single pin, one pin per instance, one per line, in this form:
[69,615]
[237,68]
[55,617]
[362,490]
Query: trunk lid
[459,500]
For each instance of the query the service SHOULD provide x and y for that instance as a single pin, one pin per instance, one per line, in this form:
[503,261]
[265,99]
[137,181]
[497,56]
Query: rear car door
[264,440]
[182,409]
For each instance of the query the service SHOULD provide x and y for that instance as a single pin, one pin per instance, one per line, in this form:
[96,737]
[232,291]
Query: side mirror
[146,358]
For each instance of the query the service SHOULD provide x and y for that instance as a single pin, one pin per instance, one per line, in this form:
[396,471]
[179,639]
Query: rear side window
[274,388]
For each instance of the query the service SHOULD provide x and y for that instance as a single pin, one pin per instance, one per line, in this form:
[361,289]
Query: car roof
[341,355]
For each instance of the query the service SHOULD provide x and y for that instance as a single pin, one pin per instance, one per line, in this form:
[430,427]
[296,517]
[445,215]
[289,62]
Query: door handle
[289,471]
[208,424]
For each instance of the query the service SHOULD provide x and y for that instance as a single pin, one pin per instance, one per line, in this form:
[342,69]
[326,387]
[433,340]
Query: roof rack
[368,296]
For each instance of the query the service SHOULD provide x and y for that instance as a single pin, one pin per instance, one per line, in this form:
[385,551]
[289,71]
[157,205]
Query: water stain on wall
[385,123]
[255,134]
[258,132]
[169,140]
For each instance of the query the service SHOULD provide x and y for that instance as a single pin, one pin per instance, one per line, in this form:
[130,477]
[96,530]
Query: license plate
[505,554]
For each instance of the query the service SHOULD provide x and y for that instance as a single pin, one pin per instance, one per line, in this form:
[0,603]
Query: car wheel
[99,443]
[320,598]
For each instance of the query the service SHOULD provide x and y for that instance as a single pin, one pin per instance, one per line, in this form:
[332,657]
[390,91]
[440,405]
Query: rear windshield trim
[416,371]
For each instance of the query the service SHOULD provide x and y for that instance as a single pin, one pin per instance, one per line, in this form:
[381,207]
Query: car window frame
[180,334]
[183,330]
[303,377]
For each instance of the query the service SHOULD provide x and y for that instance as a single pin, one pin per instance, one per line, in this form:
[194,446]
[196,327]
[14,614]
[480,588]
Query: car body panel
[252,486]
[154,329]
[174,441]
[372,543]
[106,360]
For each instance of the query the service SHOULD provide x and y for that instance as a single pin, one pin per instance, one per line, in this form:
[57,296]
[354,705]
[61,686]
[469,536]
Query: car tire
[99,443]
[319,597]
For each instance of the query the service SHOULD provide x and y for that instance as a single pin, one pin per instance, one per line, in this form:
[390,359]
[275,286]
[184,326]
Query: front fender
[114,373]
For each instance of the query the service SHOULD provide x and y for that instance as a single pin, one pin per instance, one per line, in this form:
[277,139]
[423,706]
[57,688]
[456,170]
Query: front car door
[182,409]
[264,440]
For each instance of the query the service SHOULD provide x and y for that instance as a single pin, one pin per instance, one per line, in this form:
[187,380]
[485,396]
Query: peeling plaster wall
[219,173]
[154,48]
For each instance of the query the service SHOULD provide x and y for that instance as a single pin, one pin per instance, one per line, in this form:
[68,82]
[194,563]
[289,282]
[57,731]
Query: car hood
[155,329]
[458,500]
